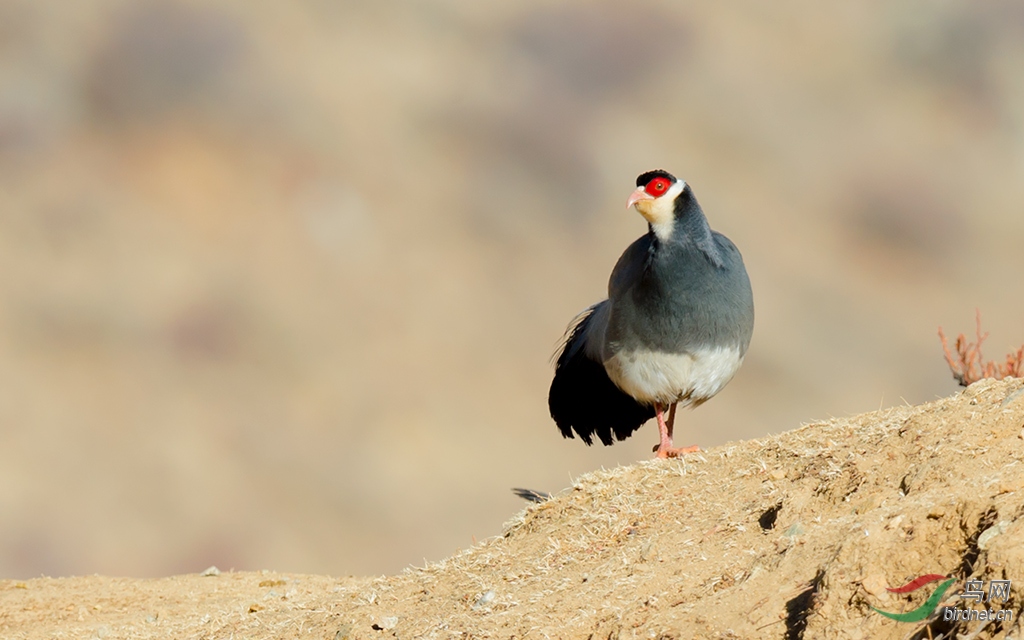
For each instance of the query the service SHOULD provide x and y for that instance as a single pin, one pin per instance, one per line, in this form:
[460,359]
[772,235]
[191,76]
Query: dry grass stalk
[969,366]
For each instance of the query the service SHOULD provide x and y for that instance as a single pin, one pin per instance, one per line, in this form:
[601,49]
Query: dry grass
[795,535]
[969,366]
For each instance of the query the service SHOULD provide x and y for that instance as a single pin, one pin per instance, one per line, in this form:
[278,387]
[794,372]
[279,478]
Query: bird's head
[655,198]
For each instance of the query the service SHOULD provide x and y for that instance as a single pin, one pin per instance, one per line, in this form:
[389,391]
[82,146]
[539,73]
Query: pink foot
[674,452]
[665,449]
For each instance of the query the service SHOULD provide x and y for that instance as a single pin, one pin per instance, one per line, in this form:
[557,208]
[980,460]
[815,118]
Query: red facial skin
[653,189]
[657,187]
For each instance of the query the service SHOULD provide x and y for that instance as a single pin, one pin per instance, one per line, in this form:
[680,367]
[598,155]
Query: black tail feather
[530,495]
[585,400]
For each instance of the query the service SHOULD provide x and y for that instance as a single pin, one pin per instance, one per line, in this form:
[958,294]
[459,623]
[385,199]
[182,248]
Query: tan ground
[675,549]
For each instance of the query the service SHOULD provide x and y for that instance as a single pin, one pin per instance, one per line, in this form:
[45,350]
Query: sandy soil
[791,536]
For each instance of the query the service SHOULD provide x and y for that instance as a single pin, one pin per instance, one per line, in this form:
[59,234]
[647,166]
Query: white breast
[649,376]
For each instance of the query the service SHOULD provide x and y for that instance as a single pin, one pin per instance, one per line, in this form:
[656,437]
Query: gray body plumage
[678,296]
[675,327]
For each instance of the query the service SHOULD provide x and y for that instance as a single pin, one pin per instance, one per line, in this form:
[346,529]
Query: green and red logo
[929,606]
[974,590]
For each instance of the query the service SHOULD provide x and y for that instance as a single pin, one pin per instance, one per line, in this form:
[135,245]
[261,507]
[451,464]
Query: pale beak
[637,196]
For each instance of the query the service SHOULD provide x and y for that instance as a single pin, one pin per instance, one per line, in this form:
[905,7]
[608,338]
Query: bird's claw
[673,452]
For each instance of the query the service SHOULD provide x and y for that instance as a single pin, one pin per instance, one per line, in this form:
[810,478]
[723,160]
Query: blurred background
[280,282]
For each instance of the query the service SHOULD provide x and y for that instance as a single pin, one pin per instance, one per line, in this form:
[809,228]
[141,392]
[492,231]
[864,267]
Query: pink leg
[665,449]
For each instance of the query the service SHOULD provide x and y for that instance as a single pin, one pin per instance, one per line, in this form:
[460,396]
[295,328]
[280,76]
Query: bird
[672,332]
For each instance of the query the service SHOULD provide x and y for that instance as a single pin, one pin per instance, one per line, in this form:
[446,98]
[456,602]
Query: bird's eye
[657,186]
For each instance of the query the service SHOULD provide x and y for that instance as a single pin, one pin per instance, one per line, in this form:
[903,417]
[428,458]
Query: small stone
[386,624]
[344,633]
[254,607]
[777,474]
[1013,396]
[895,522]
[985,539]
[211,571]
[875,584]
[484,600]
[936,513]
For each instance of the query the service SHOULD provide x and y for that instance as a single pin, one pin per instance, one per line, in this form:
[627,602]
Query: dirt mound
[790,536]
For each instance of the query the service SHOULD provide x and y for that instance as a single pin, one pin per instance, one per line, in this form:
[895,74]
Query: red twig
[969,366]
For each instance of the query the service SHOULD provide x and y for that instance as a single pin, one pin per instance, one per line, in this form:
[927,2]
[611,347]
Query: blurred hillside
[279,283]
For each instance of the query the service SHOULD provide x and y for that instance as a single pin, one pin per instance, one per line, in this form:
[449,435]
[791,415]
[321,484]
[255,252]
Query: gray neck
[691,228]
